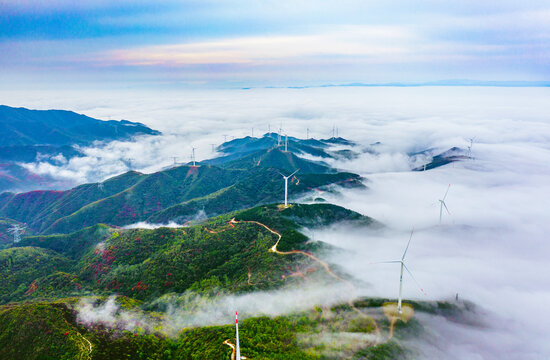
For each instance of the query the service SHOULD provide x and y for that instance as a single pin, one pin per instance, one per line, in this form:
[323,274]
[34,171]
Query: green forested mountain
[51,136]
[78,286]
[175,194]
[50,275]
[20,126]
[145,264]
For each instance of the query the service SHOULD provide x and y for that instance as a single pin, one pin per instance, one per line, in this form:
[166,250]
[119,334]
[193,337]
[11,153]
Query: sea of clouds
[492,249]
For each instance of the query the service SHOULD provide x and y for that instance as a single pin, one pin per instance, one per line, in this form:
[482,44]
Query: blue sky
[269,42]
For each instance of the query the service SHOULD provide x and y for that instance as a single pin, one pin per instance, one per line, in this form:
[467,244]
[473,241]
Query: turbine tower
[442,204]
[470,147]
[193,155]
[286,185]
[403,266]
[238,348]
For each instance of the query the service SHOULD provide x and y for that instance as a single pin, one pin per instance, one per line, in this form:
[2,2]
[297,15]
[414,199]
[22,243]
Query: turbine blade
[448,212]
[446,192]
[293,173]
[407,248]
[416,282]
[385,262]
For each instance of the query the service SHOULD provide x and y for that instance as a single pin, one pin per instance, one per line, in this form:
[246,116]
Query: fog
[491,249]
[186,310]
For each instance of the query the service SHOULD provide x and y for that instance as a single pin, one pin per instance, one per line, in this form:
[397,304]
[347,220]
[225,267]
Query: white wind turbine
[403,266]
[470,147]
[442,204]
[193,155]
[286,185]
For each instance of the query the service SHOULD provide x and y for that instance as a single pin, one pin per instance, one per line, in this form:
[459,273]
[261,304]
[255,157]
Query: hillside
[23,127]
[251,151]
[227,254]
[163,278]
[20,267]
[56,330]
[177,194]
[51,136]
[145,264]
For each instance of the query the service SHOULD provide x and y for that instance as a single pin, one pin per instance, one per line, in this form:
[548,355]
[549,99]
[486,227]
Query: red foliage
[32,288]
[140,286]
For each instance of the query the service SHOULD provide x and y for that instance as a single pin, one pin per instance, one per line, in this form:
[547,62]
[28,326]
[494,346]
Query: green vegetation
[242,179]
[145,264]
[51,330]
[73,245]
[20,267]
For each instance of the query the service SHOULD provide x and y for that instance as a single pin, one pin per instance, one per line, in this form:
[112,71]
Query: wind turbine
[442,204]
[286,185]
[193,155]
[403,266]
[238,348]
[470,147]
[286,142]
[16,230]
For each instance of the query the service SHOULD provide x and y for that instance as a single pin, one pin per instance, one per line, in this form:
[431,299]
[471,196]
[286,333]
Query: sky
[270,43]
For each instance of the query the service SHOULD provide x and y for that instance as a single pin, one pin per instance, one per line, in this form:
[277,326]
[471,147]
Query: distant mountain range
[24,127]
[46,134]
[450,82]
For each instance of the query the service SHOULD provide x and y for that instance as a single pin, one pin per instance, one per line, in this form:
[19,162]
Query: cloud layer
[492,248]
